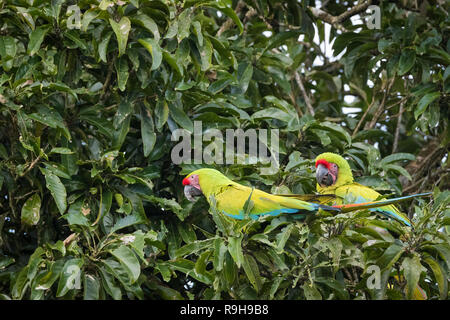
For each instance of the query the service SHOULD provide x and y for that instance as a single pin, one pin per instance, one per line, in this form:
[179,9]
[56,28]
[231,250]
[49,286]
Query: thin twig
[31,166]
[294,102]
[355,131]
[397,130]
[380,109]
[25,195]
[307,99]
[336,21]
[108,79]
[69,239]
[228,23]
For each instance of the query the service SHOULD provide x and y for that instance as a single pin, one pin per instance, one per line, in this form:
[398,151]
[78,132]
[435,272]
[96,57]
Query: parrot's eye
[334,169]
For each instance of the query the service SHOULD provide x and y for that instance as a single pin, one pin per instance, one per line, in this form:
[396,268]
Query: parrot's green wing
[231,200]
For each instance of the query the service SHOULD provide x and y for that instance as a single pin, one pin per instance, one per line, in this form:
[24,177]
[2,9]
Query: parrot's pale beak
[323,176]
[192,193]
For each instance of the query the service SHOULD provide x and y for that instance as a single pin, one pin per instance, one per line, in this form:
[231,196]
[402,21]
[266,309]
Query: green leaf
[148,23]
[187,233]
[280,38]
[161,113]
[61,150]
[57,189]
[194,247]
[6,261]
[154,49]
[424,102]
[337,286]
[51,118]
[73,36]
[109,284]
[337,130]
[103,47]
[235,250]
[30,210]
[398,169]
[397,157]
[88,16]
[283,237]
[50,276]
[220,250]
[36,38]
[105,205]
[104,126]
[8,50]
[439,275]
[252,271]
[323,136]
[168,293]
[75,216]
[124,110]
[442,249]
[407,60]
[225,7]
[126,222]
[187,267]
[200,264]
[311,292]
[180,117]
[245,73]
[70,277]
[122,72]
[91,287]
[20,284]
[121,29]
[412,268]
[272,113]
[390,256]
[129,261]
[147,131]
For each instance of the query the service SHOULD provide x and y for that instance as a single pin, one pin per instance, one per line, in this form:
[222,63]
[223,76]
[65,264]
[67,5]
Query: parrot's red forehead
[323,162]
[185,181]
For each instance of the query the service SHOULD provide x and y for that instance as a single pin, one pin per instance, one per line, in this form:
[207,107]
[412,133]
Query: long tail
[375,204]
[384,207]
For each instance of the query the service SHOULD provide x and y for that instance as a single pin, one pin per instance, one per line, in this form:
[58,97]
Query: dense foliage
[91,203]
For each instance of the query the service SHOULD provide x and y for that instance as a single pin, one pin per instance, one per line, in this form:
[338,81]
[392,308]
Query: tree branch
[363,117]
[399,122]
[228,23]
[381,106]
[336,21]
[307,99]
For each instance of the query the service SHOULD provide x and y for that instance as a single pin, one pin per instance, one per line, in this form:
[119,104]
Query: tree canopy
[92,204]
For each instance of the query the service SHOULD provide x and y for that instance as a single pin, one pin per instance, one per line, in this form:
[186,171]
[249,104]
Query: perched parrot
[231,197]
[334,176]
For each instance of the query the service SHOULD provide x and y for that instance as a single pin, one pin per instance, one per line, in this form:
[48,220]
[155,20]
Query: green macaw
[231,197]
[334,177]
